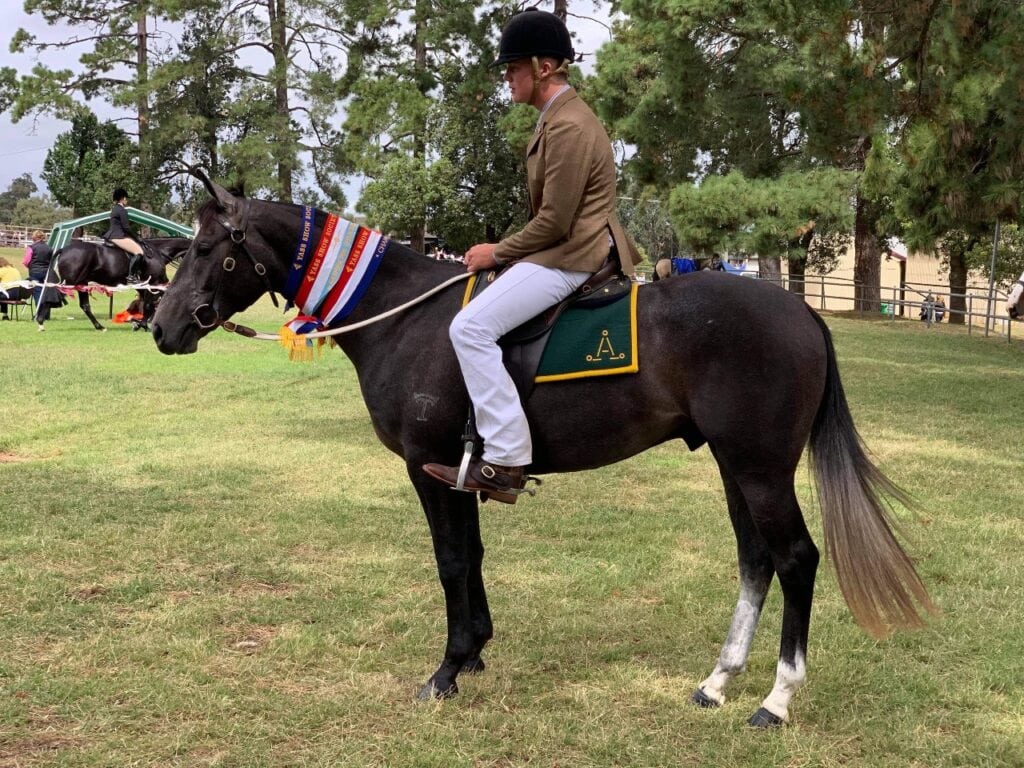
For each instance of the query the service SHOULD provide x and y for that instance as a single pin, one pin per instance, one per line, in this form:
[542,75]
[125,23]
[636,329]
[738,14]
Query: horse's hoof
[765,719]
[702,700]
[430,692]
[474,666]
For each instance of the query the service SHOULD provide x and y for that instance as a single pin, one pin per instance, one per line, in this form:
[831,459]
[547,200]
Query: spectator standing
[37,259]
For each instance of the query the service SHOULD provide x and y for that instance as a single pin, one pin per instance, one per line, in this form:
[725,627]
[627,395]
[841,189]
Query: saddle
[147,252]
[523,347]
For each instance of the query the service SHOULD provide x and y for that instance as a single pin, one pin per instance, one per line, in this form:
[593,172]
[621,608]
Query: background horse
[740,365]
[81,262]
[1014,303]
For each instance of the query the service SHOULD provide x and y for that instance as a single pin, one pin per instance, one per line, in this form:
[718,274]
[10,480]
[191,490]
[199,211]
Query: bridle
[238,240]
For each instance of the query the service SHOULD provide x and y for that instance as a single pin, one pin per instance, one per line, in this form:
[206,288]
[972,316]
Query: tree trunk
[797,271]
[418,228]
[770,268]
[867,268]
[798,264]
[562,9]
[145,183]
[958,284]
[278,11]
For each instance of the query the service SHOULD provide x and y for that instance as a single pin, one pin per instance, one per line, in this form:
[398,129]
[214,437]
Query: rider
[572,230]
[121,234]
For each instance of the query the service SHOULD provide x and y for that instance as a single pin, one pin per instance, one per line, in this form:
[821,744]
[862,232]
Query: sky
[23,145]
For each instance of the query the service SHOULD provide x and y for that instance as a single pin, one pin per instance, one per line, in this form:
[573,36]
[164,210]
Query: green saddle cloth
[599,341]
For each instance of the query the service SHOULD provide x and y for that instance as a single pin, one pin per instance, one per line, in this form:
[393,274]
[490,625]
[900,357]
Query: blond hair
[38,234]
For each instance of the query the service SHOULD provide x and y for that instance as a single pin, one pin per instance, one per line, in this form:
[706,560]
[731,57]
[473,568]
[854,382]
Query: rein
[250,333]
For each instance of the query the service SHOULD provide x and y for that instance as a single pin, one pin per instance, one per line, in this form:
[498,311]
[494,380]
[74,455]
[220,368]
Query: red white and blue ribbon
[332,268]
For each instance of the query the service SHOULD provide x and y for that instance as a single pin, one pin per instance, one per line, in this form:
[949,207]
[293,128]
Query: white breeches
[521,292]
[127,244]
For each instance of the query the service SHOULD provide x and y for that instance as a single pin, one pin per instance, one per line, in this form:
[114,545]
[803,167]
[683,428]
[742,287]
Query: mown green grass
[210,560]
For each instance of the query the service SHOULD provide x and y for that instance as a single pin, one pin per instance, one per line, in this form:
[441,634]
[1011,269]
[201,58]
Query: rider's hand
[480,257]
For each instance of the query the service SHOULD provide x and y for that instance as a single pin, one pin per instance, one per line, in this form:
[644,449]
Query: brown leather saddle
[523,347]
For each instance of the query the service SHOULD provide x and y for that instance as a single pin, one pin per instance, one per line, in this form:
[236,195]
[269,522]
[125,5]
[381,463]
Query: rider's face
[519,76]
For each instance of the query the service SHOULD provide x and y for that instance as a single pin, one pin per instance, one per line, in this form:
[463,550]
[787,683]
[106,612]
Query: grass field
[210,560]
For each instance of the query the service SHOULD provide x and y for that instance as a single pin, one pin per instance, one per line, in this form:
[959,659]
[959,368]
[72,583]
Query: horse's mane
[208,212]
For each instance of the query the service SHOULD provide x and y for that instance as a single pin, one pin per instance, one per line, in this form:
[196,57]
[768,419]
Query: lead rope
[250,333]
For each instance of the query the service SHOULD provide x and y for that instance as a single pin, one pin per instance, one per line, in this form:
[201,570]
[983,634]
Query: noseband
[238,240]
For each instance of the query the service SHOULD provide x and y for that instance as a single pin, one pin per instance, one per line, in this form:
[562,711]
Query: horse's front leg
[453,518]
[83,302]
[148,301]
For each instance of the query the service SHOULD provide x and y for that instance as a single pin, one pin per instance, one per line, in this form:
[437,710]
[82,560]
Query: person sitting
[573,230]
[121,234]
[10,274]
[927,313]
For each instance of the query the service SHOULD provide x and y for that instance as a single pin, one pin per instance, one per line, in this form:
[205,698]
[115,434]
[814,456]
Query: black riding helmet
[534,33]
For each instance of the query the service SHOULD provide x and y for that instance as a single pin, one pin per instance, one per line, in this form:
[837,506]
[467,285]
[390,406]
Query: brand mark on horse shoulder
[424,401]
[604,347]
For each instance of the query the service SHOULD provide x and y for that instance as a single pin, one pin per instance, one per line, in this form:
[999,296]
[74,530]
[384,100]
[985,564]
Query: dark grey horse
[81,263]
[742,366]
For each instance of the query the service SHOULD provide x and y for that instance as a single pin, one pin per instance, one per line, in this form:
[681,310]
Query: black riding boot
[134,262]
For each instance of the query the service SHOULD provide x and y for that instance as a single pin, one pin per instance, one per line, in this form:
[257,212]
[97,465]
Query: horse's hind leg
[776,514]
[83,302]
[756,571]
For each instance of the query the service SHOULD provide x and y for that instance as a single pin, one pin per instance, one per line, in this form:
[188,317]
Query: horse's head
[1015,302]
[169,249]
[228,266]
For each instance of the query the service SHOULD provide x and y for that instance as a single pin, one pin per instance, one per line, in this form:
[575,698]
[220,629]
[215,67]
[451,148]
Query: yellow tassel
[298,346]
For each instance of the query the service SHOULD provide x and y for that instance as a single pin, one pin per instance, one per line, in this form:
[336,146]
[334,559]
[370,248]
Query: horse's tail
[877,577]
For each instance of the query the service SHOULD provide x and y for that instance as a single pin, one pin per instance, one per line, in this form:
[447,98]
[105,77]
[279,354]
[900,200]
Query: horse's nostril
[158,333]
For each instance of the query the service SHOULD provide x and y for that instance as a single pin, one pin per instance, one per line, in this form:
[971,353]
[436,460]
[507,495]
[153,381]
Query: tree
[114,65]
[86,163]
[963,157]
[705,88]
[390,84]
[197,100]
[476,184]
[773,218]
[20,189]
[41,212]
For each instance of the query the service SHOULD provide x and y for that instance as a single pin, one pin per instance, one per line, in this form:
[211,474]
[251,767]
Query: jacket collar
[560,101]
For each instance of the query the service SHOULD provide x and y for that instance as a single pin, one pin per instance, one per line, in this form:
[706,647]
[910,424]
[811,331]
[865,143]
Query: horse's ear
[226,200]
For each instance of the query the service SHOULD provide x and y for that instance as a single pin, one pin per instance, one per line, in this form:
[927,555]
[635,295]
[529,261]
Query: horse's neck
[401,278]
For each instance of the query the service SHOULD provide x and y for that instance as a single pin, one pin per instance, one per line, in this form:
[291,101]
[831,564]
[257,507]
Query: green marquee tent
[60,235]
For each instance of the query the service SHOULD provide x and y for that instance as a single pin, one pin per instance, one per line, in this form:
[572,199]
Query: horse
[81,262]
[1014,303]
[742,366]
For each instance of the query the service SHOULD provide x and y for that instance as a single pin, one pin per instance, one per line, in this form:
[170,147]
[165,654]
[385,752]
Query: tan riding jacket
[570,172]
